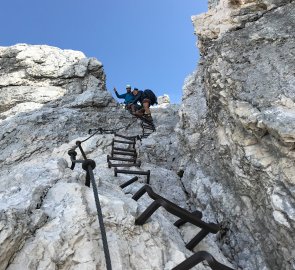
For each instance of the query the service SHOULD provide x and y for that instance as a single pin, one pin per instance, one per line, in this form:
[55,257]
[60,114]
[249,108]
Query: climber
[128,96]
[146,98]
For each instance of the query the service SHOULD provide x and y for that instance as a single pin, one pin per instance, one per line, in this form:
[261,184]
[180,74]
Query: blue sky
[145,43]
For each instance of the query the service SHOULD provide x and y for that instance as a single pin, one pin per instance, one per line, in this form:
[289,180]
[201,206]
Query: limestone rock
[236,130]
[50,99]
[163,100]
[230,15]
[161,146]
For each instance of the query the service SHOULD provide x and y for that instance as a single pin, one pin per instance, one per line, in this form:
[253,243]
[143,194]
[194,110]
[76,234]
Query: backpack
[151,96]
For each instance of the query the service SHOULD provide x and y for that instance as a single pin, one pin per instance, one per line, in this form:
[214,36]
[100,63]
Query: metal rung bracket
[121,159]
[147,173]
[110,164]
[198,258]
[123,154]
[129,182]
[171,208]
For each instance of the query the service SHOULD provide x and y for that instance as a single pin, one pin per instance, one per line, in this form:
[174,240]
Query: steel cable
[90,175]
[101,130]
[100,219]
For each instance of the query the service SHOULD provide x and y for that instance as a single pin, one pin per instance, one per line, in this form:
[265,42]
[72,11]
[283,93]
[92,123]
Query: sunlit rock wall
[45,92]
[50,97]
[48,220]
[237,131]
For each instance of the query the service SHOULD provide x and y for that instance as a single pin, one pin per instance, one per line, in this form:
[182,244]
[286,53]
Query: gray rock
[48,218]
[236,131]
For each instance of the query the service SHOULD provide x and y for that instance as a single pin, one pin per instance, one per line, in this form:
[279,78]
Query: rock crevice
[243,151]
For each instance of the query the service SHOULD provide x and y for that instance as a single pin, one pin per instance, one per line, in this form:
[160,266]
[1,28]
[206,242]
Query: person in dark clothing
[128,96]
[146,98]
[136,104]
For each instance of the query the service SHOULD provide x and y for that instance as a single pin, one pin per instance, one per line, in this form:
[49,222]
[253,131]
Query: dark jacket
[141,95]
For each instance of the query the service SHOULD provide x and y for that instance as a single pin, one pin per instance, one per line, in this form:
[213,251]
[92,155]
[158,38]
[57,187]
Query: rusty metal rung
[181,222]
[110,164]
[124,154]
[198,258]
[126,142]
[121,159]
[131,138]
[147,173]
[129,182]
[148,127]
[124,149]
[171,208]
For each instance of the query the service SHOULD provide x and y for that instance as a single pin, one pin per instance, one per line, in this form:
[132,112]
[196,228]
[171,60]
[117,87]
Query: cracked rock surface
[229,151]
[48,220]
[236,131]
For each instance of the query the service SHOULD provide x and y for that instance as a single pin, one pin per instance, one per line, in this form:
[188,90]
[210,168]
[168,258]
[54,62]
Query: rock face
[163,100]
[161,147]
[237,132]
[45,92]
[232,155]
[48,220]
